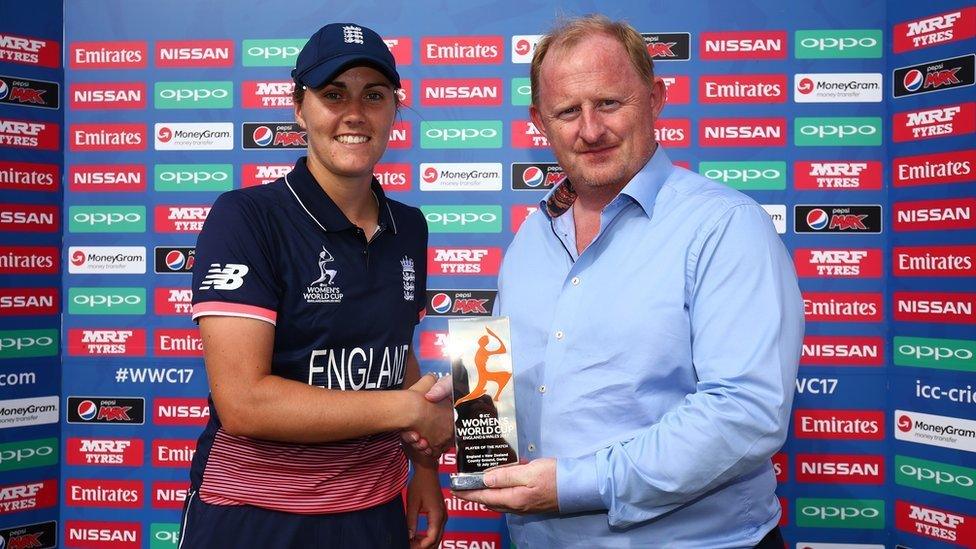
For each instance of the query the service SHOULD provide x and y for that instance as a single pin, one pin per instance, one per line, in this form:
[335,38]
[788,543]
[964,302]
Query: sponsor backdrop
[852,123]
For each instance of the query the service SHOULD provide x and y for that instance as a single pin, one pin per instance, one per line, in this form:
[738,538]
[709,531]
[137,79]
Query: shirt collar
[320,207]
[642,188]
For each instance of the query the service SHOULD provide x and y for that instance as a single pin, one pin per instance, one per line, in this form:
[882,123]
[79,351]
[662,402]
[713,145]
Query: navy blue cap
[340,46]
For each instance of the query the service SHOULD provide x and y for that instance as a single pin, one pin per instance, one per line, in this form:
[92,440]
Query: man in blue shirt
[656,326]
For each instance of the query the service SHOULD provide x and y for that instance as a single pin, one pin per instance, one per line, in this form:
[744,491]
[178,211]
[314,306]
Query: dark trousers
[773,540]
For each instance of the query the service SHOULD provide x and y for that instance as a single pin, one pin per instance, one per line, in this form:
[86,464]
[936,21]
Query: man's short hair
[572,31]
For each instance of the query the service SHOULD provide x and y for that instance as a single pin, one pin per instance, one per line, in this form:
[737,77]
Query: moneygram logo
[394,177]
[107,342]
[461,177]
[194,95]
[951,308]
[193,177]
[931,215]
[29,176]
[107,219]
[838,263]
[28,218]
[837,88]
[24,412]
[107,301]
[194,53]
[934,169]
[194,136]
[109,55]
[95,178]
[944,121]
[742,132]
[523,47]
[837,132]
[934,30]
[180,219]
[937,261]
[29,51]
[120,452]
[838,44]
[467,92]
[107,137]
[943,354]
[752,176]
[28,343]
[752,88]
[462,50]
[840,468]
[262,174]
[743,45]
[933,430]
[107,260]
[464,261]
[267,94]
[939,75]
[463,219]
[842,351]
[839,424]
[854,175]
[108,95]
[461,134]
[271,53]
[29,134]
[840,513]
[932,476]
[27,454]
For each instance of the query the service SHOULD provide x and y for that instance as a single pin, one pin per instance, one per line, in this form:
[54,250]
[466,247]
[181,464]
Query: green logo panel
[838,44]
[107,301]
[463,219]
[26,454]
[271,53]
[193,177]
[521,92]
[194,95]
[866,514]
[941,354]
[462,134]
[747,176]
[107,219]
[28,343]
[852,131]
[933,476]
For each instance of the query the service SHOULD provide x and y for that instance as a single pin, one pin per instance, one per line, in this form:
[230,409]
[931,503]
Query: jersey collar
[323,211]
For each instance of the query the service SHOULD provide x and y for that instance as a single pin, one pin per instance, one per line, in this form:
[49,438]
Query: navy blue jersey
[344,311]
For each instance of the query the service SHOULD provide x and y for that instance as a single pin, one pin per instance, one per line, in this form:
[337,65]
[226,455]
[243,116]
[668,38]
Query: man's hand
[434,421]
[424,497]
[437,393]
[521,489]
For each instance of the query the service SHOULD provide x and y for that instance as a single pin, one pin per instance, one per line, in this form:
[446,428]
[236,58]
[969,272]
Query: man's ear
[536,117]
[659,95]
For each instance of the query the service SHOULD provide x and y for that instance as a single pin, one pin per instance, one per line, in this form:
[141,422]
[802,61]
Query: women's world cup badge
[484,398]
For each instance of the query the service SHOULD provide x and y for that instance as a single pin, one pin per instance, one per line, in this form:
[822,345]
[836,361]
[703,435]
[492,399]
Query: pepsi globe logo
[165,134]
[913,80]
[87,410]
[440,303]
[817,219]
[78,258]
[805,86]
[262,136]
[522,47]
[4,90]
[533,176]
[430,175]
[904,424]
[175,260]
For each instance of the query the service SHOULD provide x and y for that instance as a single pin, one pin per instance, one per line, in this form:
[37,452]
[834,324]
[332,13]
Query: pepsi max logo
[273,135]
[668,46]
[837,219]
[24,92]
[535,176]
[934,76]
[106,410]
[4,90]
[460,303]
[170,260]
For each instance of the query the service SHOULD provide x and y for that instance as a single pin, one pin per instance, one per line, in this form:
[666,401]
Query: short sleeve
[233,272]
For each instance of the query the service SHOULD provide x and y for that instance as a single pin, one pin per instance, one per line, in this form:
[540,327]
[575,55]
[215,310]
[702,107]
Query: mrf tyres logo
[464,261]
[24,92]
[29,134]
[107,410]
[935,29]
[942,121]
[180,218]
[838,263]
[267,94]
[934,430]
[852,175]
[460,303]
[27,496]
[273,135]
[934,76]
[934,523]
[26,50]
[668,46]
[850,219]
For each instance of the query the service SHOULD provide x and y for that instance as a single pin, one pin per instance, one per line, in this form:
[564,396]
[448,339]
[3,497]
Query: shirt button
[559,334]
[542,388]
[576,281]
[531,447]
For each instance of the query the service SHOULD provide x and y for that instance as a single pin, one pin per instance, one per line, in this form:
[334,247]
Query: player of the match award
[484,398]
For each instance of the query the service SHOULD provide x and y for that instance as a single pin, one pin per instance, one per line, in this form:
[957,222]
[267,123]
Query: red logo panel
[462,50]
[933,169]
[934,261]
[98,178]
[857,175]
[742,132]
[195,53]
[933,30]
[181,411]
[838,263]
[118,452]
[180,219]
[109,55]
[178,343]
[169,494]
[932,215]
[107,342]
[525,135]
[28,301]
[107,137]
[29,134]
[92,534]
[453,92]
[173,453]
[30,51]
[29,260]
[401,136]
[840,468]
[29,495]
[842,307]
[107,95]
[519,213]
[113,494]
[29,176]
[934,523]
[673,132]
[939,307]
[29,218]
[742,88]
[463,261]
[172,301]
[842,351]
[743,45]
[678,89]
[839,424]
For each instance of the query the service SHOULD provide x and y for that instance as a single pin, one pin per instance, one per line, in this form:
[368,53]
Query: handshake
[432,431]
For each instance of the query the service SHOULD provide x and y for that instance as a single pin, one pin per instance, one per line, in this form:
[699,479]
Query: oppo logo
[938,477]
[742,175]
[168,536]
[24,342]
[178,177]
[107,300]
[825,512]
[840,131]
[839,44]
[109,219]
[462,134]
[524,89]
[185,94]
[273,52]
[935,353]
[438,218]
[22,454]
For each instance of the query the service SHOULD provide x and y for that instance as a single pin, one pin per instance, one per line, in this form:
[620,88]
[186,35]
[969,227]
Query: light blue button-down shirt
[657,366]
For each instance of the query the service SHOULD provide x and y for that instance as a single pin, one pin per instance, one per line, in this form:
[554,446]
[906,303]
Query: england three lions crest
[409,278]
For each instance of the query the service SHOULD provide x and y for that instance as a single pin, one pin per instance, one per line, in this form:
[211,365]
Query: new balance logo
[228,277]
[352,35]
